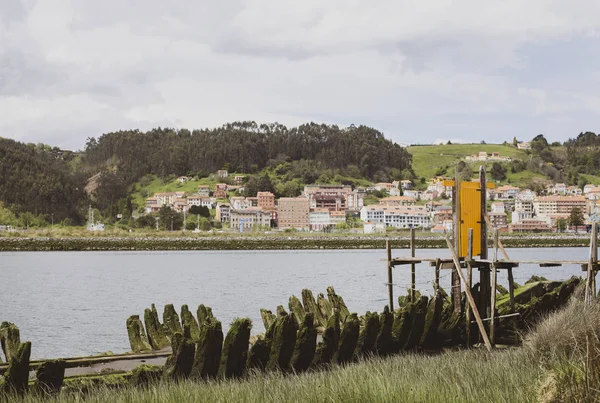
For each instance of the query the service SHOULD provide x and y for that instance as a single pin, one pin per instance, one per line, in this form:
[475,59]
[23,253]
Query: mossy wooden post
[16,377]
[484,272]
[154,330]
[203,313]
[145,374]
[437,274]
[137,335]
[180,362]
[590,285]
[430,337]
[329,345]
[258,356]
[10,339]
[306,344]
[511,289]
[348,340]
[470,299]
[171,320]
[235,349]
[49,377]
[268,318]
[325,307]
[390,282]
[337,302]
[187,319]
[493,291]
[367,339]
[310,305]
[297,309]
[469,282]
[384,343]
[208,350]
[413,280]
[418,323]
[283,343]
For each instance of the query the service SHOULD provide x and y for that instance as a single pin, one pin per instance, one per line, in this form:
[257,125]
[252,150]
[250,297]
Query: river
[76,303]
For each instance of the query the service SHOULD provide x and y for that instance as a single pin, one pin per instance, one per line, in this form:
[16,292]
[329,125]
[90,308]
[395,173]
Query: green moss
[327,348]
[337,302]
[258,356]
[306,344]
[418,324]
[268,318]
[325,307]
[430,337]
[180,362]
[384,342]
[536,279]
[367,339]
[10,339]
[154,329]
[310,305]
[16,377]
[187,319]
[283,342]
[208,349]
[49,377]
[171,320]
[235,349]
[203,313]
[297,309]
[137,336]
[145,375]
[348,340]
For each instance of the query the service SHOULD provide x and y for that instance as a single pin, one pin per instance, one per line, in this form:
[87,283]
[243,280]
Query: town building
[523,145]
[221,190]
[337,217]
[556,206]
[484,156]
[498,219]
[383,186]
[222,173]
[239,203]
[398,201]
[396,216]
[530,225]
[506,192]
[239,180]
[266,200]
[332,197]
[374,228]
[406,184]
[223,212]
[152,205]
[497,207]
[293,212]
[356,200]
[183,179]
[202,201]
[319,219]
[248,219]
[203,190]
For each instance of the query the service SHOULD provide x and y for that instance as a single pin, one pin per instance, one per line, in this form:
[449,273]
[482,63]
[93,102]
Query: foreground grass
[459,376]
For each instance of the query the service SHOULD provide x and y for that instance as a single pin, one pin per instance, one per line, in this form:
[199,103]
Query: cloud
[432,70]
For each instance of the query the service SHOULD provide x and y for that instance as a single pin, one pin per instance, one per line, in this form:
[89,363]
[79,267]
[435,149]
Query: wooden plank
[389,270]
[469,282]
[590,290]
[594,240]
[511,289]
[484,272]
[437,275]
[412,266]
[470,299]
[493,292]
[490,226]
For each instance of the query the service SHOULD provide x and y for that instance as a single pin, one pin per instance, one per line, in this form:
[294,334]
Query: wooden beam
[470,299]
[493,293]
[412,266]
[437,275]
[389,270]
[490,226]
[469,282]
[511,289]
[590,291]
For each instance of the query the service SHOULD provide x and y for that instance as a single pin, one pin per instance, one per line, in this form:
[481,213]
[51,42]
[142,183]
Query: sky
[420,72]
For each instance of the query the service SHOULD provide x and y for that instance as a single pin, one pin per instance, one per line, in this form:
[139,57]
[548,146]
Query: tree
[561,224]
[515,142]
[575,218]
[498,172]
[202,211]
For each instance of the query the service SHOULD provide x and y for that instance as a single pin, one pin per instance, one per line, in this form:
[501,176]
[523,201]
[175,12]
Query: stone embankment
[279,242]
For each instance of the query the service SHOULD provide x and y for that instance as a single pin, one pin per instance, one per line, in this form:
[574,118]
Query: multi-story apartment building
[356,200]
[293,212]
[398,201]
[249,218]
[530,225]
[266,200]
[397,216]
[553,206]
[222,212]
[319,219]
[332,197]
[203,190]
[221,190]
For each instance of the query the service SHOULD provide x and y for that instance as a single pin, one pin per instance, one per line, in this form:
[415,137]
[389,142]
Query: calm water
[76,303]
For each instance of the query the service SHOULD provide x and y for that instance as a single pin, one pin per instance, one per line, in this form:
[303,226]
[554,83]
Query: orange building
[266,200]
[293,212]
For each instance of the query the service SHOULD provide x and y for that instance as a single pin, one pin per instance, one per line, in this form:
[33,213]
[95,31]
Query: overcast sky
[419,71]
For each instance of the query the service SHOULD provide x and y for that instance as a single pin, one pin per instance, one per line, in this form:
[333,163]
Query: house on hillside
[222,173]
[183,179]
[221,190]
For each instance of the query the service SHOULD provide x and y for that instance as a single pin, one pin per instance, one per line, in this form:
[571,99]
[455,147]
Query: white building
[319,219]
[497,207]
[396,216]
[374,228]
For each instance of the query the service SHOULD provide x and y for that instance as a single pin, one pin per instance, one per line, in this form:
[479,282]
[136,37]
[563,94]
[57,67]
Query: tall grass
[457,376]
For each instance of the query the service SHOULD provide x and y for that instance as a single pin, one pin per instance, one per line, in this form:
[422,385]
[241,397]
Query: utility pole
[52,215]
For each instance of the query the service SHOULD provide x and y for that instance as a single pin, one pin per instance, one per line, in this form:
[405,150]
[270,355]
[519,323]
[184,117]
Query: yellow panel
[470,217]
[446,182]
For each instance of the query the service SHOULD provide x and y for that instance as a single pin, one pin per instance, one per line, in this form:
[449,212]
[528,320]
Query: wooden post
[390,282]
[412,266]
[491,227]
[493,291]
[469,296]
[590,289]
[511,289]
[484,272]
[469,283]
[594,239]
[455,290]
[437,275]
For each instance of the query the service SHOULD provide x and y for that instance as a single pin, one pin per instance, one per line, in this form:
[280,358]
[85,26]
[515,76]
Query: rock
[327,348]
[180,362]
[208,350]
[49,377]
[367,338]
[258,356]
[283,342]
[348,340]
[297,309]
[171,320]
[154,329]
[310,305]
[325,307]
[203,313]
[187,319]
[430,337]
[145,374]
[384,343]
[268,318]
[418,324]
[16,377]
[235,349]
[10,339]
[306,344]
[337,302]
[137,336]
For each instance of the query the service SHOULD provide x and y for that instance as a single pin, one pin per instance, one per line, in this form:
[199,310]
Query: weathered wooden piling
[268,318]
[325,307]
[297,309]
[208,350]
[144,375]
[154,329]
[310,305]
[137,335]
[306,344]
[10,339]
[384,344]
[16,377]
[171,320]
[367,339]
[180,362]
[337,302]
[49,377]
[187,319]
[348,340]
[418,323]
[258,356]
[430,336]
[235,349]
[203,313]
[327,348]
[283,342]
